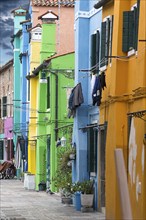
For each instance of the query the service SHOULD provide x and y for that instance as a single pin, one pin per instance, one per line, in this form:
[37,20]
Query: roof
[6,66]
[101,3]
[38,25]
[66,3]
[26,21]
[58,55]
[46,63]
[50,14]
[19,8]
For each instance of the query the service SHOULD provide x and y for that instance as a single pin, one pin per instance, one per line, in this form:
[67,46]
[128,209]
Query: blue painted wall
[24,93]
[87,21]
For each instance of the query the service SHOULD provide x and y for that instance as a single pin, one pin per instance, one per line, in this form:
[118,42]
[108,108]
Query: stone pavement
[17,203]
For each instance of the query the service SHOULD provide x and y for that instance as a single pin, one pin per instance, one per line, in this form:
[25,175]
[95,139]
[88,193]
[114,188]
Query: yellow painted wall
[34,62]
[120,97]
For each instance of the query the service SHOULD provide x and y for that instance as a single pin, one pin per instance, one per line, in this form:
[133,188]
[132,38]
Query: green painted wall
[58,64]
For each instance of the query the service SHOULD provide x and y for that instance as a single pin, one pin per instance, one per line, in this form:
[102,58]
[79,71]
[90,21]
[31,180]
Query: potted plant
[87,195]
[86,190]
[63,176]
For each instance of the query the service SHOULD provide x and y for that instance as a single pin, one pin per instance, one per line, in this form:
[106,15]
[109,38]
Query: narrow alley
[16,203]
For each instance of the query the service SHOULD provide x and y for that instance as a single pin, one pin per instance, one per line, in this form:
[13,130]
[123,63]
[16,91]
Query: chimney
[48,46]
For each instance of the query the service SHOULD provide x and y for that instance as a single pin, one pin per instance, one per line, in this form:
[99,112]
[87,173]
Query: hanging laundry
[97,91]
[102,79]
[75,100]
[99,84]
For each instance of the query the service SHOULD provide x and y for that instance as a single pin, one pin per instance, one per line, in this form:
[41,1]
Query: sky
[6,27]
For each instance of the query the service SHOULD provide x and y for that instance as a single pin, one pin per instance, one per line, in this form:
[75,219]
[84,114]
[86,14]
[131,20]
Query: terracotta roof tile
[66,3]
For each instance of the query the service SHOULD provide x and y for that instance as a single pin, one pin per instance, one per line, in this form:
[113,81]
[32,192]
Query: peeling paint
[137,187]
[142,157]
[134,173]
[132,152]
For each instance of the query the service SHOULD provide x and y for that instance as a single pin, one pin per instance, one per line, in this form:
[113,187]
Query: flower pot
[66,200]
[87,200]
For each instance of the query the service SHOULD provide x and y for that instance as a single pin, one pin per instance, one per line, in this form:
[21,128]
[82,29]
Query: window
[95,41]
[48,92]
[0,109]
[4,106]
[130,29]
[1,150]
[92,149]
[36,36]
[106,40]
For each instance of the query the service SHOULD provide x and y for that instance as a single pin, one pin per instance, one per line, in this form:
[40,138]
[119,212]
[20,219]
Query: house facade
[86,119]
[19,16]
[63,43]
[123,106]
[6,111]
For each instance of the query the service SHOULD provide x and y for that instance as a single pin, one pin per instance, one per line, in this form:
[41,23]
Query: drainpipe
[56,105]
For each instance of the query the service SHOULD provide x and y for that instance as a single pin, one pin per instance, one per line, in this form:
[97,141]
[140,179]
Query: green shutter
[4,106]
[92,150]
[107,40]
[1,150]
[136,20]
[97,50]
[93,51]
[111,36]
[131,30]
[103,43]
[125,43]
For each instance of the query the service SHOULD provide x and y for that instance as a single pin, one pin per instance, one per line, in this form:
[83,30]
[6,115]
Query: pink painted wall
[64,27]
[8,125]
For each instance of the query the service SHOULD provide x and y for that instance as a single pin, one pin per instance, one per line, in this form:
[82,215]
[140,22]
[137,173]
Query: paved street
[16,203]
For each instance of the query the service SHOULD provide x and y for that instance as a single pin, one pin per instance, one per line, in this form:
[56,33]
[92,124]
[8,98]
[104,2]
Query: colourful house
[34,59]
[86,120]
[63,43]
[123,106]
[48,49]
[6,111]
[19,16]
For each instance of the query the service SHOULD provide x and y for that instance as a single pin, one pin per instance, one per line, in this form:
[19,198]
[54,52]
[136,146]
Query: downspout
[56,105]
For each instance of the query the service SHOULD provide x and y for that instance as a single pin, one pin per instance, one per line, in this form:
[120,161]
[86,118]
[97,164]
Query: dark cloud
[10,53]
[6,25]
[6,46]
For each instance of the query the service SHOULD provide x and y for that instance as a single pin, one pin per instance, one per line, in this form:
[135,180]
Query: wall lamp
[61,142]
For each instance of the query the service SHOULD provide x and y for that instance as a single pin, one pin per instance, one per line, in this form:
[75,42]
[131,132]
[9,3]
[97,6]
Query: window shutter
[0,109]
[97,50]
[93,51]
[92,150]
[125,43]
[107,40]
[1,150]
[111,37]
[135,28]
[4,106]
[131,29]
[103,43]
[136,20]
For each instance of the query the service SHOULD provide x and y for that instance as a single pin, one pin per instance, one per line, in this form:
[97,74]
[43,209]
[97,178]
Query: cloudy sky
[6,27]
